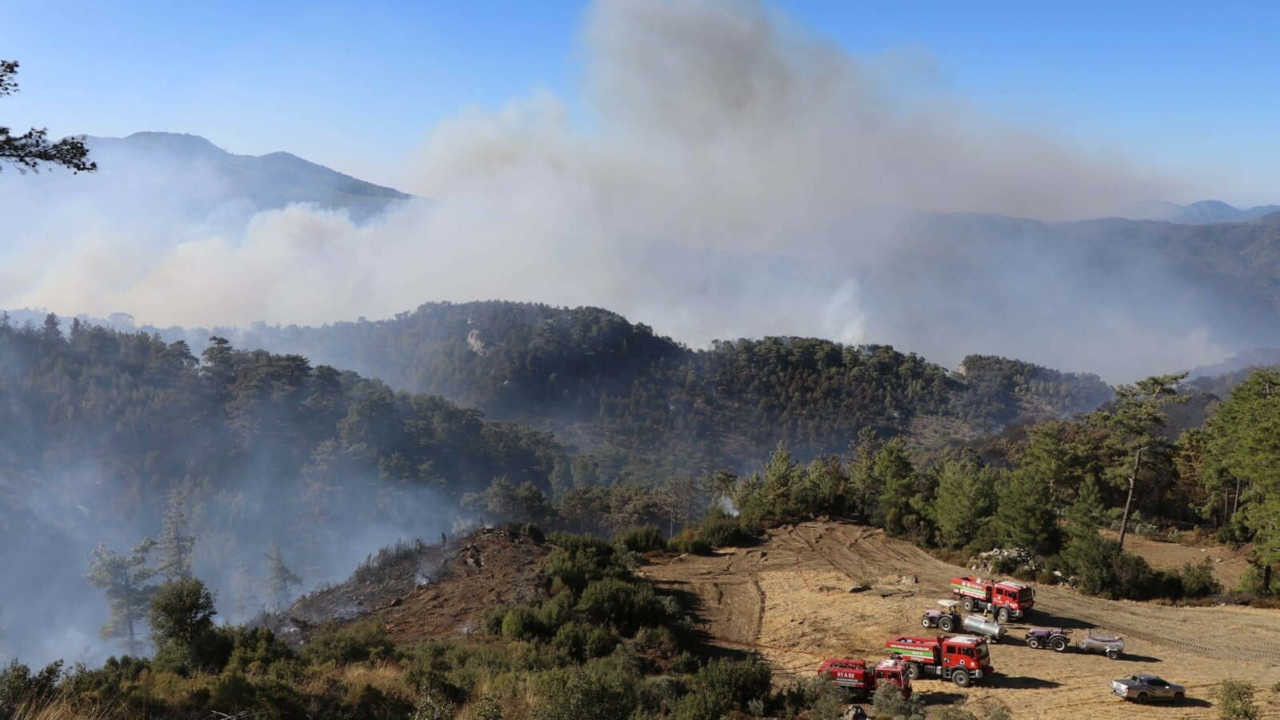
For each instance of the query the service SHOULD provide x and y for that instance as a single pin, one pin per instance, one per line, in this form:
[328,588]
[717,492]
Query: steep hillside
[420,592]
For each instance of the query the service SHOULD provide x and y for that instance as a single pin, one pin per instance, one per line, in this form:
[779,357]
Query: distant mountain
[155,189]
[1208,212]
[217,177]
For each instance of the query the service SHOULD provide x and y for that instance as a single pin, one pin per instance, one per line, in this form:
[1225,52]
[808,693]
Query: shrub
[493,620]
[520,623]
[626,606]
[356,643]
[577,642]
[685,662]
[1235,699]
[231,692]
[661,694]
[889,703]
[578,560]
[556,610]
[600,642]
[18,686]
[688,542]
[700,706]
[1135,580]
[642,539]
[717,529]
[734,682]
[819,697]
[600,690]
[657,639]
[571,640]
[1102,569]
[1198,580]
[722,530]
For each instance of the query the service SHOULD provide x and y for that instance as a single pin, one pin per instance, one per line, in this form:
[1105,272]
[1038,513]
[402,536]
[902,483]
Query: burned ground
[422,592]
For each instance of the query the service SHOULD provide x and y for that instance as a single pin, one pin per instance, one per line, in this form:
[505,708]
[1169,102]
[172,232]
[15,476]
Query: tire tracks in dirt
[780,598]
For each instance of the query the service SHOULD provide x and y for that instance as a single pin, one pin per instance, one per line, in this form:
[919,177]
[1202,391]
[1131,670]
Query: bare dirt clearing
[789,599]
[1228,565]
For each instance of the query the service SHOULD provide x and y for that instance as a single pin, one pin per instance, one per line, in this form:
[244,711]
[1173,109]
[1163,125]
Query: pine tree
[32,149]
[1023,516]
[1243,441]
[966,496]
[280,579]
[125,580]
[175,545]
[900,510]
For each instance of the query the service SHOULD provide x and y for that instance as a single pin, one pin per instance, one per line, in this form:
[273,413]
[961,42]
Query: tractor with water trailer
[948,619]
[861,681]
[1003,598]
[1057,638]
[962,659]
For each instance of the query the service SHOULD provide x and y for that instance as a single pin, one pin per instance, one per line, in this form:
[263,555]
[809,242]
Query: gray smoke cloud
[737,176]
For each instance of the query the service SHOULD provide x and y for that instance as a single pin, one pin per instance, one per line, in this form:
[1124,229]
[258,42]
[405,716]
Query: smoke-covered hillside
[106,435]
[623,391]
[111,432]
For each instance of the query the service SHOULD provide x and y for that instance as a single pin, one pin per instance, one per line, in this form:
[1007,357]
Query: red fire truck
[1005,598]
[963,659]
[858,679]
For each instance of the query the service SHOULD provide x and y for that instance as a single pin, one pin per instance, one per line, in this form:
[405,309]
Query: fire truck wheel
[1003,615]
[961,678]
[913,670]
[1033,643]
[967,604]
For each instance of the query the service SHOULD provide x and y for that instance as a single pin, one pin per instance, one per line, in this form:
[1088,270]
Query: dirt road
[789,599]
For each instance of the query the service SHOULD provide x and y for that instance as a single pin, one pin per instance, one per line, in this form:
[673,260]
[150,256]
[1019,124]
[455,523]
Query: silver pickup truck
[1145,686]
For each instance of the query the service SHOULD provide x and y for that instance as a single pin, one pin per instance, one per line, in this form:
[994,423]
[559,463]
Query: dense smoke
[735,176]
[49,610]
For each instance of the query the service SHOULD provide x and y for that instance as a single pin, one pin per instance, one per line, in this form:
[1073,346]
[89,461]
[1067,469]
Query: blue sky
[1188,88]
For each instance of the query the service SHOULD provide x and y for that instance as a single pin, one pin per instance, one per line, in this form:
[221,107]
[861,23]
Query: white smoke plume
[737,176]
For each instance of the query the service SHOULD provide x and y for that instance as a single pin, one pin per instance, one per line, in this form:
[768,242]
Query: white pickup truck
[1145,686]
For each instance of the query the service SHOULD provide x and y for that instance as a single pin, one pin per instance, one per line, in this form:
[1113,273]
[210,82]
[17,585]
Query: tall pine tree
[126,581]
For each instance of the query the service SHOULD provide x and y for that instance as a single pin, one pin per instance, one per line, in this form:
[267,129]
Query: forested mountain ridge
[622,391]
